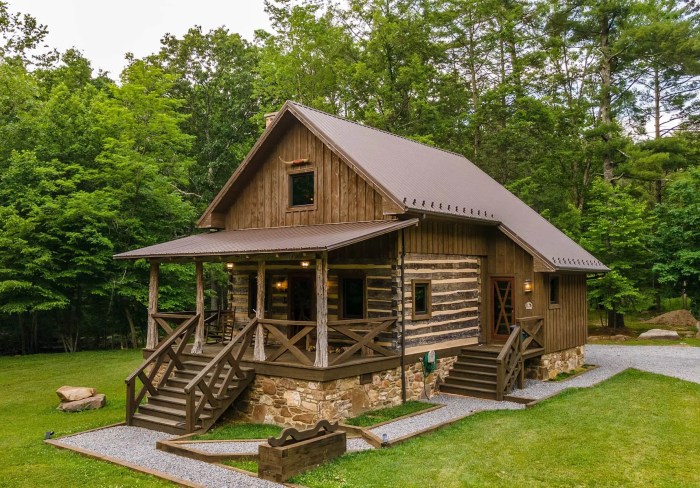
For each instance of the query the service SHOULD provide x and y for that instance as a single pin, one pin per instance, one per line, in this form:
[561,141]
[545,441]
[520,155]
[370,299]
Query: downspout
[403,320]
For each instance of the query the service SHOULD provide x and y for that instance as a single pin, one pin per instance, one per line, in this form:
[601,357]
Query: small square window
[353,298]
[301,189]
[421,299]
[554,290]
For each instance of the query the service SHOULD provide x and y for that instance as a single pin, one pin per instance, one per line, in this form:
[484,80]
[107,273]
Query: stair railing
[171,349]
[206,380]
[510,364]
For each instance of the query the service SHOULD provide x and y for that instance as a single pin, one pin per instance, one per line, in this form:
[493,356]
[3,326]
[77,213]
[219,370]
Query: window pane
[353,298]
[302,189]
[554,290]
[420,301]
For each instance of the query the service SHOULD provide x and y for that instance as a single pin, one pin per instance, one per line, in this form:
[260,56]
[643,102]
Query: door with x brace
[502,311]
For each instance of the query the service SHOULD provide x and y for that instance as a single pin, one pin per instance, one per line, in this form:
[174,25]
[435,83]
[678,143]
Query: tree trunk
[322,312]
[199,331]
[606,95]
[132,328]
[615,319]
[152,328]
[259,351]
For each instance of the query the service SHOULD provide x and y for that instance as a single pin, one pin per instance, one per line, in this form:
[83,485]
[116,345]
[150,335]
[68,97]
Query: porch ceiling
[305,238]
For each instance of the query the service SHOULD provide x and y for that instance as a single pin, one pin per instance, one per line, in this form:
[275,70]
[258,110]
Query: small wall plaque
[528,306]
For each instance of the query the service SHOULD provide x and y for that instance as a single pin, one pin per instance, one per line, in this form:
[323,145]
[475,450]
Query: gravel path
[138,446]
[676,361]
[455,407]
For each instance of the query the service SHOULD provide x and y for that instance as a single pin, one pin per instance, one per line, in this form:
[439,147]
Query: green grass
[635,430]
[240,431]
[378,416]
[251,466]
[28,409]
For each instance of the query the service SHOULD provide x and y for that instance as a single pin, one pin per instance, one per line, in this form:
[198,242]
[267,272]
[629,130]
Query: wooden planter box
[281,463]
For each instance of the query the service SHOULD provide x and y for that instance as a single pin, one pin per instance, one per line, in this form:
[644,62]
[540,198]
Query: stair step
[177,414]
[172,402]
[182,382]
[476,358]
[459,372]
[489,385]
[471,366]
[468,391]
[159,424]
[487,353]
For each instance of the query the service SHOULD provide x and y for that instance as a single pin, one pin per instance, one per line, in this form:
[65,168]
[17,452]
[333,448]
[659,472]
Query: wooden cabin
[352,253]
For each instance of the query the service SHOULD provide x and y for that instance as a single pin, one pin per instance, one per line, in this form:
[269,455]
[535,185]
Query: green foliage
[385,414]
[678,238]
[617,230]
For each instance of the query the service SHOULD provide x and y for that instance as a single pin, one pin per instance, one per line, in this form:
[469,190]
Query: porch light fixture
[305,264]
[527,286]
[229,266]
[281,285]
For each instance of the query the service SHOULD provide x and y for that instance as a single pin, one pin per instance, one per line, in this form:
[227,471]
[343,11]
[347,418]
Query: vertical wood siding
[341,194]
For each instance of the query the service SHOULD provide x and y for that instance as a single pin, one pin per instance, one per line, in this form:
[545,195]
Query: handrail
[157,358]
[193,406]
[365,344]
[532,328]
[509,363]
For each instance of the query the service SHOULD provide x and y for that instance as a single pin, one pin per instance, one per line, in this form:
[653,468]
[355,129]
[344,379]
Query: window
[301,189]
[253,294]
[554,291]
[352,297]
[421,299]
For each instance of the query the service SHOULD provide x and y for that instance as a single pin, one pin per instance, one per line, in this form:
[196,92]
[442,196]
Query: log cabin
[364,269]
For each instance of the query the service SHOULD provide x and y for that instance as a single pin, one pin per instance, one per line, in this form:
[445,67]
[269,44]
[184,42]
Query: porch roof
[305,238]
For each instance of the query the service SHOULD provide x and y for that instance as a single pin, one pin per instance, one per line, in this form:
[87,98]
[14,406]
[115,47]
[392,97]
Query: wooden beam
[199,332]
[152,333]
[322,311]
[259,352]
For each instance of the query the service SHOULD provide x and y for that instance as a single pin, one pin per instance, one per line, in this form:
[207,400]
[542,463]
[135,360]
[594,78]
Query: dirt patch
[677,317]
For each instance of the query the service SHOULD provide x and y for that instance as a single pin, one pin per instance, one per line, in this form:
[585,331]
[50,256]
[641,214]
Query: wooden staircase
[475,373]
[488,371]
[194,390]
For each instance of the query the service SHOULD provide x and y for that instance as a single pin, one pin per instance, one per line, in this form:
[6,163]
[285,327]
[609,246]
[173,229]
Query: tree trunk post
[199,332]
[259,351]
[152,331]
[322,311]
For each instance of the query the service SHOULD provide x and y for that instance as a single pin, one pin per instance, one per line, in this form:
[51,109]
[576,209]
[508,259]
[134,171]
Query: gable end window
[301,189]
[422,302]
[554,291]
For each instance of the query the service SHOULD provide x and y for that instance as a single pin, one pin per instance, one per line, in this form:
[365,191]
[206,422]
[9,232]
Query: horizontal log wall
[341,194]
[455,297]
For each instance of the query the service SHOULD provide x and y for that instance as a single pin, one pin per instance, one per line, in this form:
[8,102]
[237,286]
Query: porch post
[259,351]
[152,331]
[199,332]
[322,311]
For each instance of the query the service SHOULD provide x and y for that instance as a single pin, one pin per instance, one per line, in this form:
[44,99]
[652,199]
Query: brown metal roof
[305,238]
[426,179]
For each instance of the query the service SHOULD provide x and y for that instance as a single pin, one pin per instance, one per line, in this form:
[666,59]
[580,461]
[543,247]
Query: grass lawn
[385,414]
[635,324]
[28,409]
[240,431]
[636,429]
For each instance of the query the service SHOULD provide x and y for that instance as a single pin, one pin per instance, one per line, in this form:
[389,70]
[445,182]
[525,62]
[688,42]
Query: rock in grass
[74,393]
[660,334]
[90,403]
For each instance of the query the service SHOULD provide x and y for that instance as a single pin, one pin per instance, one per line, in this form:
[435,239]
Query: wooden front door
[302,297]
[502,310]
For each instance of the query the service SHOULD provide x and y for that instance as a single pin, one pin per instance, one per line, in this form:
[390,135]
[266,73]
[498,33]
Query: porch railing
[528,333]
[350,339]
[171,350]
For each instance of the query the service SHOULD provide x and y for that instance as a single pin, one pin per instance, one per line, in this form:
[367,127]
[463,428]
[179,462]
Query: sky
[105,31]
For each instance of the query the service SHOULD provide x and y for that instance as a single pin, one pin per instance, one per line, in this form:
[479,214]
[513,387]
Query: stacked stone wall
[548,366]
[302,403]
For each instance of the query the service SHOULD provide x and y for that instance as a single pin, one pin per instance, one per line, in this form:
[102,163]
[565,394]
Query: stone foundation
[548,366]
[302,403]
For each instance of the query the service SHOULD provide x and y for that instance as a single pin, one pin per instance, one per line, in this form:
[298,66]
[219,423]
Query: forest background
[587,110]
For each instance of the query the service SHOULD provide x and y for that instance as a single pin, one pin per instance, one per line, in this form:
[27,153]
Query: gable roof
[421,178]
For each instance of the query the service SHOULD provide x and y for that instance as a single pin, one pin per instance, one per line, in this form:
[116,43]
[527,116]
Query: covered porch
[322,298]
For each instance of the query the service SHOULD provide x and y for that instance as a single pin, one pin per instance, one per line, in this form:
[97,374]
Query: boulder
[74,393]
[90,403]
[659,334]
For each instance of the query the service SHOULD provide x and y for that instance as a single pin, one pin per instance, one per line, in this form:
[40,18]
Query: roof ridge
[344,119]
